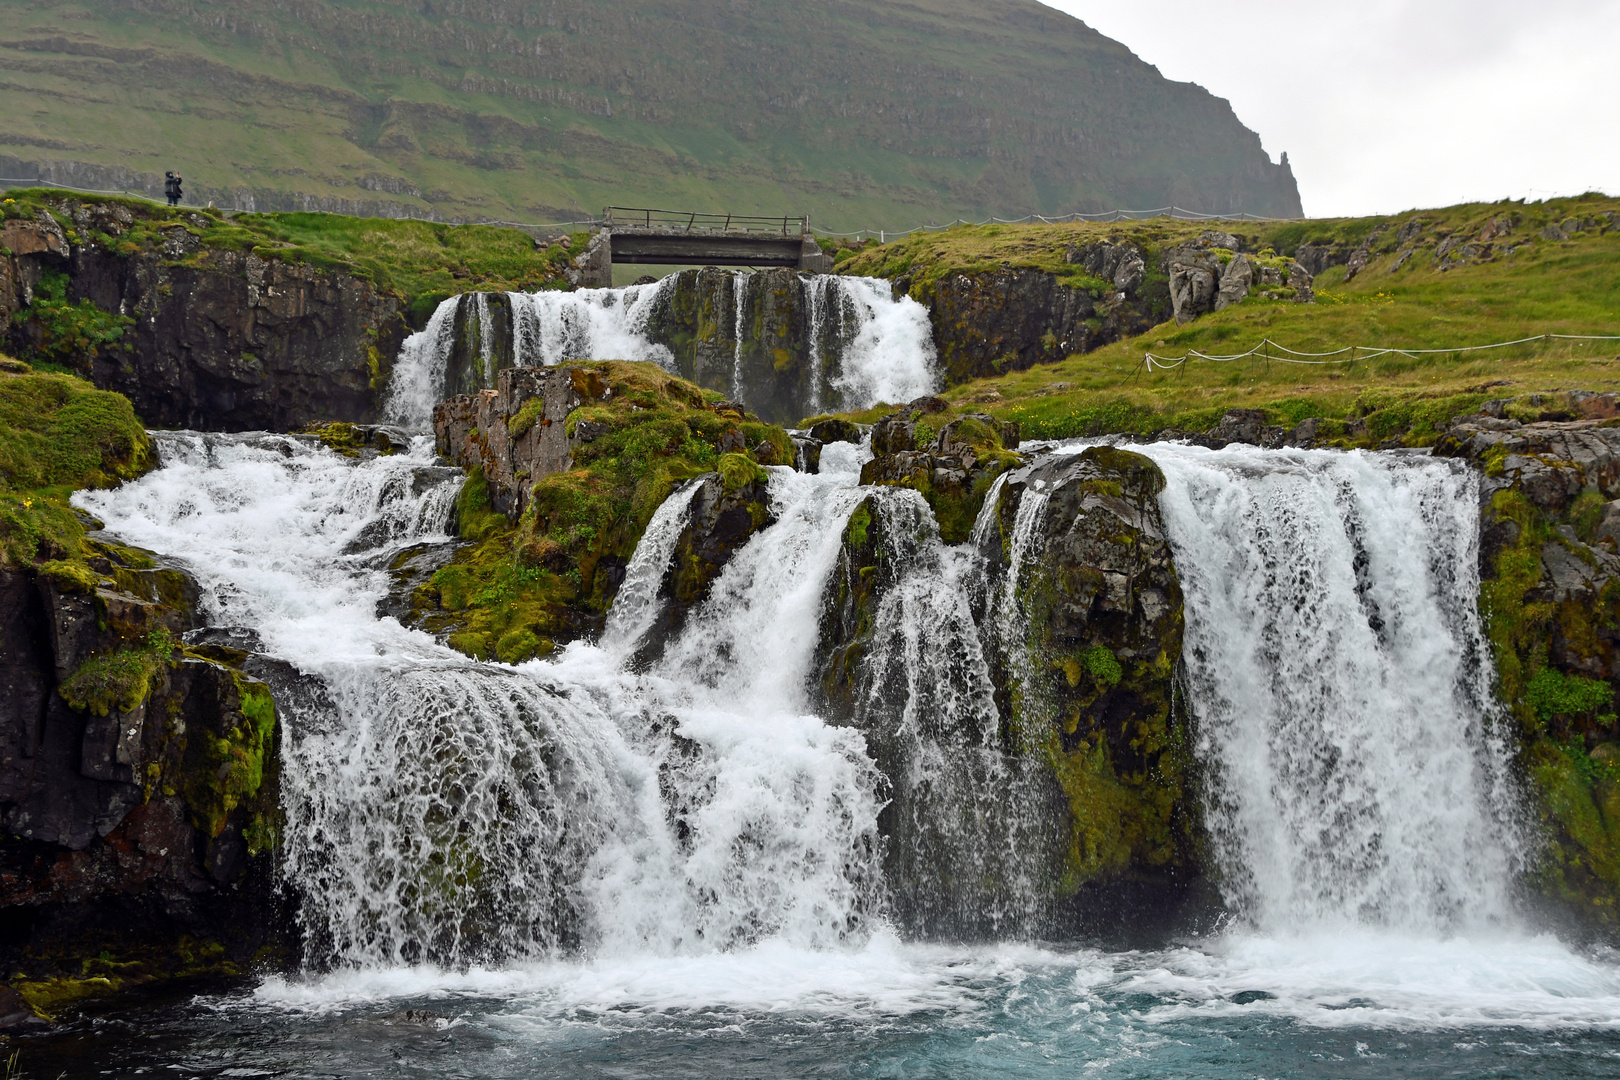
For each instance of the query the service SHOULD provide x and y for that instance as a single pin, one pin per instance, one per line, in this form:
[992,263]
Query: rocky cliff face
[1088,662]
[1550,525]
[208,339]
[987,323]
[138,783]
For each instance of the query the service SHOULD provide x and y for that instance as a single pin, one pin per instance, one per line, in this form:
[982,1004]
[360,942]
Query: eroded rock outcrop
[1210,274]
[516,432]
[138,783]
[1550,596]
[199,337]
[951,463]
[1086,676]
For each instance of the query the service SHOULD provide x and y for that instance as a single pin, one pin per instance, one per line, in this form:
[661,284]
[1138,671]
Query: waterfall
[739,290]
[891,357]
[635,608]
[1341,686]
[446,811]
[860,344]
[975,833]
[449,812]
[417,383]
[551,328]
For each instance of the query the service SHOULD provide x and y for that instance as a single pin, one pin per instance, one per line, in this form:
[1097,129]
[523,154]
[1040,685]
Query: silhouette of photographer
[171,187]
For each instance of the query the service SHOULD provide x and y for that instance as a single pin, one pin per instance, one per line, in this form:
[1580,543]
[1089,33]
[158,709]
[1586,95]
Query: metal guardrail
[681,221]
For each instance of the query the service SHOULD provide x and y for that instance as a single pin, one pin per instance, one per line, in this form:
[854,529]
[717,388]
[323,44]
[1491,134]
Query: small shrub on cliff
[1558,696]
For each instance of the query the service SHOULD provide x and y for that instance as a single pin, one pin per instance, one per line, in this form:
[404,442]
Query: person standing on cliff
[171,187]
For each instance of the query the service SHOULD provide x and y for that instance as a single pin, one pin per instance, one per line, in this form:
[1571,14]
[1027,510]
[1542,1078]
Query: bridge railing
[678,221]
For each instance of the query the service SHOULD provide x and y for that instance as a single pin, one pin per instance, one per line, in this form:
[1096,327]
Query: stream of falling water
[575,867]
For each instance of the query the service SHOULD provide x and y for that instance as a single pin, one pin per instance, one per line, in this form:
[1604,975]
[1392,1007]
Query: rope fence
[1348,355]
[1177,212]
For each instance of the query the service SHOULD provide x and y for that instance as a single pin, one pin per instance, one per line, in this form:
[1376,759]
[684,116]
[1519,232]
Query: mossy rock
[1103,638]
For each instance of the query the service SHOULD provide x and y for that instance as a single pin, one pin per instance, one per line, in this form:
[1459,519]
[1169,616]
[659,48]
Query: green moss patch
[120,680]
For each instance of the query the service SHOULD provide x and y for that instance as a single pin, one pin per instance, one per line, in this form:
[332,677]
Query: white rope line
[1356,352]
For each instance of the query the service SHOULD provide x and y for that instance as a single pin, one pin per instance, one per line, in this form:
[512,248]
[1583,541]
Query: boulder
[1086,677]
[137,809]
[1194,283]
[836,430]
[952,468]
[1235,282]
[1121,264]
[515,433]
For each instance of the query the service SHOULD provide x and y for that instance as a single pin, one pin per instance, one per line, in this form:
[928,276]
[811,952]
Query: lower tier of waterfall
[787,345]
[587,865]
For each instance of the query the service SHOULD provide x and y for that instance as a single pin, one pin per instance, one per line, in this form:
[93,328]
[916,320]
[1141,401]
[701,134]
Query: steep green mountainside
[884,113]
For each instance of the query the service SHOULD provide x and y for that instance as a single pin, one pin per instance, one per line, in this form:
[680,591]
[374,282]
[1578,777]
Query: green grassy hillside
[422,262]
[862,114]
[1528,283]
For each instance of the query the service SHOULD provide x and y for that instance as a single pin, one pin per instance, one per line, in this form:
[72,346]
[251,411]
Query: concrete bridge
[671,238]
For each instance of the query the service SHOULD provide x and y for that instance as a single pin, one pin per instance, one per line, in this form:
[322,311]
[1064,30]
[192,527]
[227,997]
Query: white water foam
[551,328]
[892,357]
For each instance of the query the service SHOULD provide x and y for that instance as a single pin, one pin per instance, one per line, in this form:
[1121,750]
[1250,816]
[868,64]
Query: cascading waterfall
[444,811]
[1341,684]
[417,383]
[652,856]
[739,291]
[862,344]
[974,832]
[551,328]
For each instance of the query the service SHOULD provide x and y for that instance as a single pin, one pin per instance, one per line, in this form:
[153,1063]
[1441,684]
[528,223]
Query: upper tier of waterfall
[785,344]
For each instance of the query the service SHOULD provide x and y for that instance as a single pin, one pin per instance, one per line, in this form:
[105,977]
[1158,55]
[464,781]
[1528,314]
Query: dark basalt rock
[1550,600]
[131,824]
[991,322]
[952,468]
[1104,612]
[221,340]
[719,521]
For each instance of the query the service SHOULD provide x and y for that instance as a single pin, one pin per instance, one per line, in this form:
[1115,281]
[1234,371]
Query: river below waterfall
[593,866]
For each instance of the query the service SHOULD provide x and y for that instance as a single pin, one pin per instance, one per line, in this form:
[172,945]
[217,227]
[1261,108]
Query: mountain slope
[863,114]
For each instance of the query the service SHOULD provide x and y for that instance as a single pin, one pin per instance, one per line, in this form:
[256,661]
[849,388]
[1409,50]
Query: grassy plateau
[1530,284]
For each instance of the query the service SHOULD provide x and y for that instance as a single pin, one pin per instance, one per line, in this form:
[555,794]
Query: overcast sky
[1388,105]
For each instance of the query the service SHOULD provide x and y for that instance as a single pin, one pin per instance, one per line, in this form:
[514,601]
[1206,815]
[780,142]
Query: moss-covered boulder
[951,462]
[138,802]
[1550,597]
[1089,639]
[566,467]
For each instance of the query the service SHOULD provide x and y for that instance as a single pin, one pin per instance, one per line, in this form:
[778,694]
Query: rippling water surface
[1232,1006]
